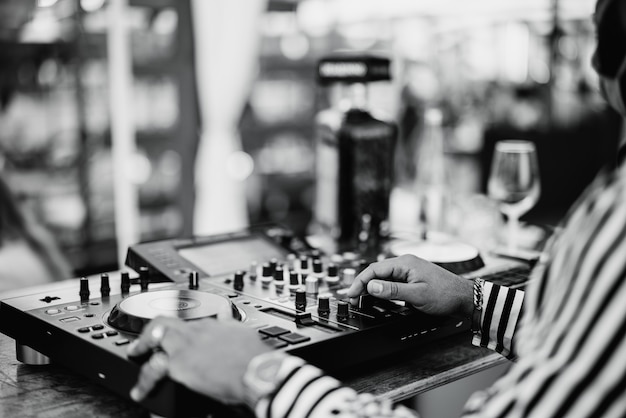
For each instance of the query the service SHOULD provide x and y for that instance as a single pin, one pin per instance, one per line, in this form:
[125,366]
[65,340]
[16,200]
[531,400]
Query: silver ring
[157,334]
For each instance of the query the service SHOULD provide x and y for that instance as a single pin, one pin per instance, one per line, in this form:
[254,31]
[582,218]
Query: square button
[70,319]
[273,331]
[274,343]
[122,342]
[293,338]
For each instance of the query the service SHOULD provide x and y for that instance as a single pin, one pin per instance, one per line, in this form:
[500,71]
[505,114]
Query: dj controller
[291,294]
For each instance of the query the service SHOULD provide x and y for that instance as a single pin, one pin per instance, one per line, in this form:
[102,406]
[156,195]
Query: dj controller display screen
[231,255]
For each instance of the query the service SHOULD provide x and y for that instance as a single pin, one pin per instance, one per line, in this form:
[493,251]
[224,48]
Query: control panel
[293,296]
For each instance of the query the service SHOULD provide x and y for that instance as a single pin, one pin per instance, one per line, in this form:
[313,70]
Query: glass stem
[513,226]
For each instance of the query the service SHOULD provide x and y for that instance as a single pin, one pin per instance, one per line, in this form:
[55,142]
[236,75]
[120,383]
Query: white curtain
[226,40]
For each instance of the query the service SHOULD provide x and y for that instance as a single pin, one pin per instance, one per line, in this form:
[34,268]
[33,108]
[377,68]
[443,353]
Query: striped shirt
[569,346]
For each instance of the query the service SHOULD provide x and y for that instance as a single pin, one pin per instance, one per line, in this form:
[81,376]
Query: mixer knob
[84,289]
[279,274]
[194,281]
[332,278]
[144,278]
[253,270]
[125,282]
[318,269]
[273,265]
[342,310]
[300,300]
[292,261]
[266,274]
[323,305]
[348,276]
[311,285]
[304,265]
[105,288]
[294,280]
[316,254]
[332,269]
[238,282]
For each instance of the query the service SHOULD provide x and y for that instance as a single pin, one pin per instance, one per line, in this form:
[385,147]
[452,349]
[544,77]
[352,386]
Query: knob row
[105,286]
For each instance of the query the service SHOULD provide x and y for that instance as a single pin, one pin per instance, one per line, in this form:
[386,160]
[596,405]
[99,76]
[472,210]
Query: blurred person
[28,253]
[567,335]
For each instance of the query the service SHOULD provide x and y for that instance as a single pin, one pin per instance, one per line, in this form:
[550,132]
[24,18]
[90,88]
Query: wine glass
[514,183]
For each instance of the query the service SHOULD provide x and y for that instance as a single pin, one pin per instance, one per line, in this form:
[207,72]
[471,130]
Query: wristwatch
[478,305]
[263,376]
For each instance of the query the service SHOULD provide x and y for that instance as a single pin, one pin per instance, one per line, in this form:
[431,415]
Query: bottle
[354,155]
[430,175]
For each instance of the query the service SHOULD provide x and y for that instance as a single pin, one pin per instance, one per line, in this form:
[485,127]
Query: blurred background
[80,80]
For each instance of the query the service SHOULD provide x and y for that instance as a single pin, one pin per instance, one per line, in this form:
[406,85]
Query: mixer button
[98,336]
[72,308]
[273,331]
[111,333]
[69,319]
[122,342]
[89,315]
[53,311]
[274,343]
[83,330]
[294,338]
[97,327]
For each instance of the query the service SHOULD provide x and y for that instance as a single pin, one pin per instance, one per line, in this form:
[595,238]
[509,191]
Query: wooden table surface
[54,391]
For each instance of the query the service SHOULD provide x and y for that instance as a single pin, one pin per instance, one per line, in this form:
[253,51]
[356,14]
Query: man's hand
[428,287]
[207,355]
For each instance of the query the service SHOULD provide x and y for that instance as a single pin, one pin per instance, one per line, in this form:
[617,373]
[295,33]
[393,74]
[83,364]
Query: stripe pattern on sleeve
[501,312]
[307,392]
[572,339]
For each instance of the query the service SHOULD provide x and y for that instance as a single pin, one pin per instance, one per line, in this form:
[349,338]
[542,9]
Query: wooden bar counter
[54,391]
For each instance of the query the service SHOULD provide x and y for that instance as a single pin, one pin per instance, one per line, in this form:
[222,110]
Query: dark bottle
[354,155]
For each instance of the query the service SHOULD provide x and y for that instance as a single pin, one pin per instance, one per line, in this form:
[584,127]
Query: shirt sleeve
[500,314]
[307,392]
[572,339]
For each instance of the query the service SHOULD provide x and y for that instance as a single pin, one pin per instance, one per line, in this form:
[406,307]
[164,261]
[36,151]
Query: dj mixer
[291,294]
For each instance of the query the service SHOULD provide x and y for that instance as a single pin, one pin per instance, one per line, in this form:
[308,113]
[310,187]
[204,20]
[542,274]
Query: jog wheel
[134,312]
[455,256]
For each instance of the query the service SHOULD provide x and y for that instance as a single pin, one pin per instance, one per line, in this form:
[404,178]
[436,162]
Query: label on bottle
[326,207]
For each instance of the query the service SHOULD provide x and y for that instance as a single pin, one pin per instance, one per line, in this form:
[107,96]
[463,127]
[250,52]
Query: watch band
[478,305]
